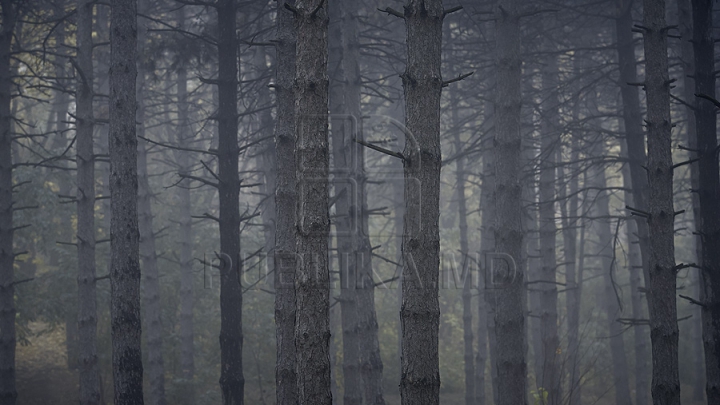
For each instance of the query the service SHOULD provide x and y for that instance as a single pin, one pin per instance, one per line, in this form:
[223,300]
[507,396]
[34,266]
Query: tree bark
[635,144]
[607,298]
[285,210]
[708,192]
[342,126]
[508,234]
[420,311]
[371,365]
[8,392]
[85,160]
[550,378]
[232,381]
[124,235]
[661,264]
[312,288]
[184,137]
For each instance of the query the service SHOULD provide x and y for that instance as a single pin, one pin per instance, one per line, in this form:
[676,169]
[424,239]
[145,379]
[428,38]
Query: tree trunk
[184,137]
[709,192]
[469,366]
[551,377]
[607,298]
[510,308]
[285,210]
[85,159]
[232,381]
[342,125]
[371,365]
[420,312]
[486,302]
[660,217]
[124,235]
[573,301]
[635,142]
[8,393]
[312,288]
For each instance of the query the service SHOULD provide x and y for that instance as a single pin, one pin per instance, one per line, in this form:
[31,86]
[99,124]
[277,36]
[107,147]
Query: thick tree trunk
[551,378]
[635,141]
[510,308]
[124,235]
[709,192]
[285,210]
[420,312]
[232,381]
[312,288]
[8,393]
[661,264]
[85,159]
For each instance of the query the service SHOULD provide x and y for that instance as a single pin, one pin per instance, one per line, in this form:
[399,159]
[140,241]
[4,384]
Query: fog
[359,202]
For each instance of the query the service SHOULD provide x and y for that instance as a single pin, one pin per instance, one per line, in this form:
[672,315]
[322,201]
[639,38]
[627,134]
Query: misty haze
[359,202]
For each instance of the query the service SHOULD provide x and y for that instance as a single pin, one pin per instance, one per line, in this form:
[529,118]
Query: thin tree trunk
[486,303]
[285,210]
[708,192]
[661,264]
[551,377]
[85,159]
[371,365]
[184,137]
[510,307]
[232,381]
[420,312]
[342,128]
[635,143]
[312,283]
[151,282]
[573,301]
[8,392]
[342,147]
[124,235]
[607,298]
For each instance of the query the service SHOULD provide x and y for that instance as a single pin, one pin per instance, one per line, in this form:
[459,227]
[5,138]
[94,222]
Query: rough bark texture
[508,234]
[312,283]
[709,192]
[420,311]
[635,141]
[232,381]
[285,210]
[124,235]
[8,393]
[662,304]
[85,159]
[184,137]
[551,377]
[342,126]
